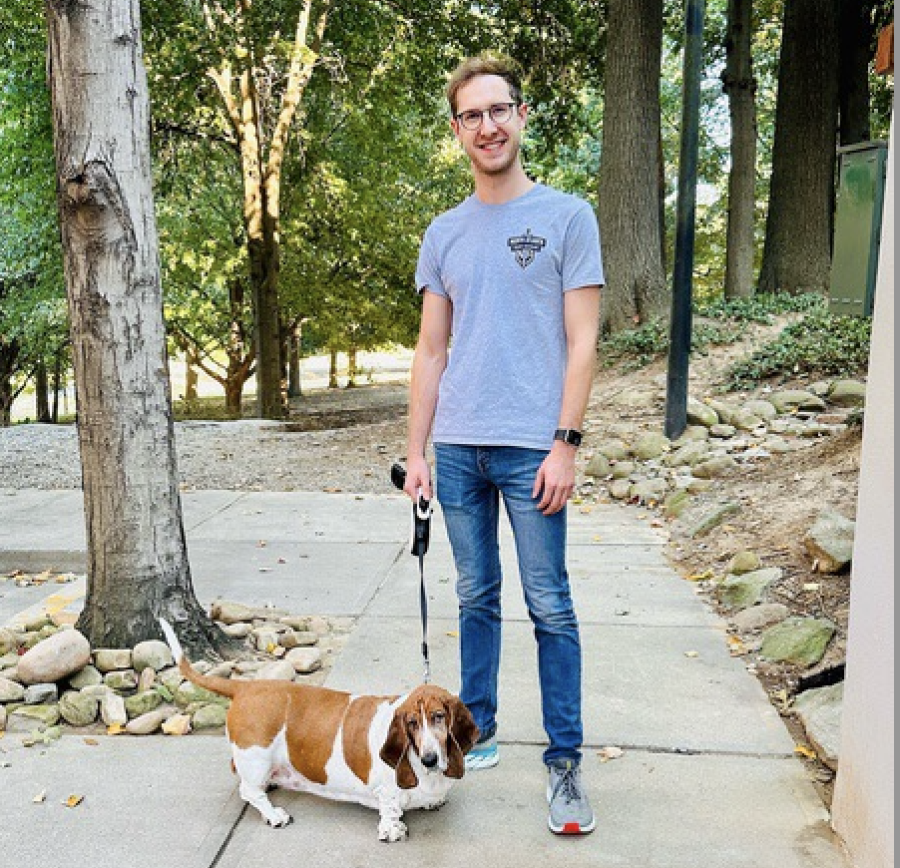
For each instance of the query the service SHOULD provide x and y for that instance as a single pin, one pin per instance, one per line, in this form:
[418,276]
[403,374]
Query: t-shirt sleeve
[582,262]
[428,273]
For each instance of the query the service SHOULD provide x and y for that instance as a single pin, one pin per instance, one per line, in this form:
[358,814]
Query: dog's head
[431,732]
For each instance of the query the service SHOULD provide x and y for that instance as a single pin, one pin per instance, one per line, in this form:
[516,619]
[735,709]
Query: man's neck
[499,189]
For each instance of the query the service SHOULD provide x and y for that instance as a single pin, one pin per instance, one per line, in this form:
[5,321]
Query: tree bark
[739,85]
[629,206]
[857,32]
[797,249]
[137,556]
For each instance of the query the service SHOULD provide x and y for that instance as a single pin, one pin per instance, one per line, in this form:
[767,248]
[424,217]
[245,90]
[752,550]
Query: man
[513,275]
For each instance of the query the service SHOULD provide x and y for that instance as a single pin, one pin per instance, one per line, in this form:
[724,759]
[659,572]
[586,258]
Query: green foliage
[821,344]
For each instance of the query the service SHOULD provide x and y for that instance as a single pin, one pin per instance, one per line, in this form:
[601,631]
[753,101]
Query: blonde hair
[485,64]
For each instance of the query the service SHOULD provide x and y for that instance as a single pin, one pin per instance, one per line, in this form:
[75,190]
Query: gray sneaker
[570,810]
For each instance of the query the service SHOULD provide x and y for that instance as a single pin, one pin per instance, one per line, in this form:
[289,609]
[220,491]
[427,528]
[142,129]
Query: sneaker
[570,810]
[485,755]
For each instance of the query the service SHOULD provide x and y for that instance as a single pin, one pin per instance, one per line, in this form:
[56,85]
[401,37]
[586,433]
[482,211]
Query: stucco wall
[863,804]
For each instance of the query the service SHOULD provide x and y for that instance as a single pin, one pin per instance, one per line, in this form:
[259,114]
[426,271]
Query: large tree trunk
[629,212]
[137,556]
[797,250]
[857,32]
[740,87]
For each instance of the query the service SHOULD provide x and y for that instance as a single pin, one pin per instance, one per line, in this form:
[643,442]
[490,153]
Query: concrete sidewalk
[708,777]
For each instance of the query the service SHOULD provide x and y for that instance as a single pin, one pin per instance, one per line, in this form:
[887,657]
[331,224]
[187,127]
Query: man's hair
[485,64]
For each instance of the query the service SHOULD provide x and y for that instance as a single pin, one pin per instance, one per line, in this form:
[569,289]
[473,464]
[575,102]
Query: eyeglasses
[500,113]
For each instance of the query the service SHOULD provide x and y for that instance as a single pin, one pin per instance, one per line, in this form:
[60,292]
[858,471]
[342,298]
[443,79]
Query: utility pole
[680,334]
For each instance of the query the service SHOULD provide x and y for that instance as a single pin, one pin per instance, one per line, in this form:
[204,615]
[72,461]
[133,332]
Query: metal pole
[680,334]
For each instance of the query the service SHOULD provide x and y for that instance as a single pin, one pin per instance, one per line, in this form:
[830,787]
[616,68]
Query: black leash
[421,534]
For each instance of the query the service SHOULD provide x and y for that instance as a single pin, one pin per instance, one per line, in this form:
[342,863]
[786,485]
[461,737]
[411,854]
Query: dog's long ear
[463,735]
[395,752]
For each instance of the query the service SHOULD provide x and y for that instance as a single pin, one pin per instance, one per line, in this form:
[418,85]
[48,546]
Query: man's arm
[555,480]
[428,365]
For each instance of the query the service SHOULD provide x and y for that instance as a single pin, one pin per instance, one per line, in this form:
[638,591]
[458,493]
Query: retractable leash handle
[421,534]
[421,513]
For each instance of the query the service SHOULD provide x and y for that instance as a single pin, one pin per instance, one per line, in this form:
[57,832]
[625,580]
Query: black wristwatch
[568,435]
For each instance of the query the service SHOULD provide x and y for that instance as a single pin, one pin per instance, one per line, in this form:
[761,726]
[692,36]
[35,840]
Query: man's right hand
[418,478]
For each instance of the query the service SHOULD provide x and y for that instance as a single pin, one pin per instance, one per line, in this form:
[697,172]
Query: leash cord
[423,605]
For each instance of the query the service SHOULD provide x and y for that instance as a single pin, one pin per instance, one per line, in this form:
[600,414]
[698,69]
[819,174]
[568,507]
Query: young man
[513,275]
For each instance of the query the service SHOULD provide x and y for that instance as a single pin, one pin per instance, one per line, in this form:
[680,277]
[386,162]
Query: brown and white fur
[393,753]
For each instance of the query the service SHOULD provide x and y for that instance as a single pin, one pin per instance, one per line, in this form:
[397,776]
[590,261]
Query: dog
[392,753]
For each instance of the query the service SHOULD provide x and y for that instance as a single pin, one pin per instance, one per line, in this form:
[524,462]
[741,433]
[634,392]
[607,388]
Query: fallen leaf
[92,742]
[691,653]
[735,647]
[700,577]
[115,729]
[610,752]
[453,634]
[40,797]
[805,750]
[73,801]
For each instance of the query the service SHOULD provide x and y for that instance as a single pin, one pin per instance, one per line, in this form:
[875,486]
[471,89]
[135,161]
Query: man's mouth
[494,146]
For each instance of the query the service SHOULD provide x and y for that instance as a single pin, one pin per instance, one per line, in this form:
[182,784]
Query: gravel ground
[303,454]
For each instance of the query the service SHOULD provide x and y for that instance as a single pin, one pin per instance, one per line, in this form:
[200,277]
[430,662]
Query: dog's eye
[413,723]
[439,717]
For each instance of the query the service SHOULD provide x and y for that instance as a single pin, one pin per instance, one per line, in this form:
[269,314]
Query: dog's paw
[279,819]
[434,806]
[391,831]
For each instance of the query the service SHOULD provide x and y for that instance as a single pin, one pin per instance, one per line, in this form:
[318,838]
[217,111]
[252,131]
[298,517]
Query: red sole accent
[571,829]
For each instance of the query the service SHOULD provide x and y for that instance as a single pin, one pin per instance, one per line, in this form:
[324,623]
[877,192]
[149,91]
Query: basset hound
[393,753]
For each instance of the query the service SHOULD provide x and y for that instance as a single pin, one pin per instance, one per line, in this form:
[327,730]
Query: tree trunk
[739,85]
[295,387]
[190,376]
[262,160]
[630,227]
[58,385]
[41,390]
[856,34]
[332,369]
[9,353]
[137,557]
[797,250]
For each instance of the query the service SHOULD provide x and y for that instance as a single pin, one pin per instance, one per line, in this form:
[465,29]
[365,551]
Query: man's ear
[395,751]
[463,735]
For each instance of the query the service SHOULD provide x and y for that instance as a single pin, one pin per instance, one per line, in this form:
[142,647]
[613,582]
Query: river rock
[54,658]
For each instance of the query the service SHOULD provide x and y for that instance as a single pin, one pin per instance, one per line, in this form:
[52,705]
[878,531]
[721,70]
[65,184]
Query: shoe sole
[572,828]
[478,763]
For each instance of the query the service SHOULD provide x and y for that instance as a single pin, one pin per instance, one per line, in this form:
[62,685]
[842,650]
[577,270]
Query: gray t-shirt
[504,269]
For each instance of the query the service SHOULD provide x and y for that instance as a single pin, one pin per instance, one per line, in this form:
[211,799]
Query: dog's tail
[223,686]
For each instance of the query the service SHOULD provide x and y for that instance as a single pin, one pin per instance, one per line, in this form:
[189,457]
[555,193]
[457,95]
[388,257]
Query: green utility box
[857,228]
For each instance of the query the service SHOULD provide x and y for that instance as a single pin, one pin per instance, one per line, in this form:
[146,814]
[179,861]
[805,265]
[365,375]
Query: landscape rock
[819,710]
[797,640]
[830,541]
[54,658]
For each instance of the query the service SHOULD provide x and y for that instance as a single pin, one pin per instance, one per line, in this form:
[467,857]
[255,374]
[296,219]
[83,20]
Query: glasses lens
[501,112]
[471,120]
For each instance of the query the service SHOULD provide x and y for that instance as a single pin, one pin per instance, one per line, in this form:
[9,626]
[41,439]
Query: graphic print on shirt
[526,247]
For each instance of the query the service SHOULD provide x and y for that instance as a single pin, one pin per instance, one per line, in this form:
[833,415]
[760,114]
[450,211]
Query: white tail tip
[172,639]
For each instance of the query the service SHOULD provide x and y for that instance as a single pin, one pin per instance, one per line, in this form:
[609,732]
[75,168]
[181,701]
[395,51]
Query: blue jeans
[469,483]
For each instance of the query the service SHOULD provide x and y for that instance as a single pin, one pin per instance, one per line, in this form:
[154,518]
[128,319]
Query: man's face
[493,148]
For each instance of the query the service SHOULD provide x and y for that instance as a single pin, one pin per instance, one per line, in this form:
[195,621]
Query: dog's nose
[429,759]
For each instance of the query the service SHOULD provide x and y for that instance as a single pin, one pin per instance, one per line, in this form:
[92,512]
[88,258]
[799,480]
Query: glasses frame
[509,107]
